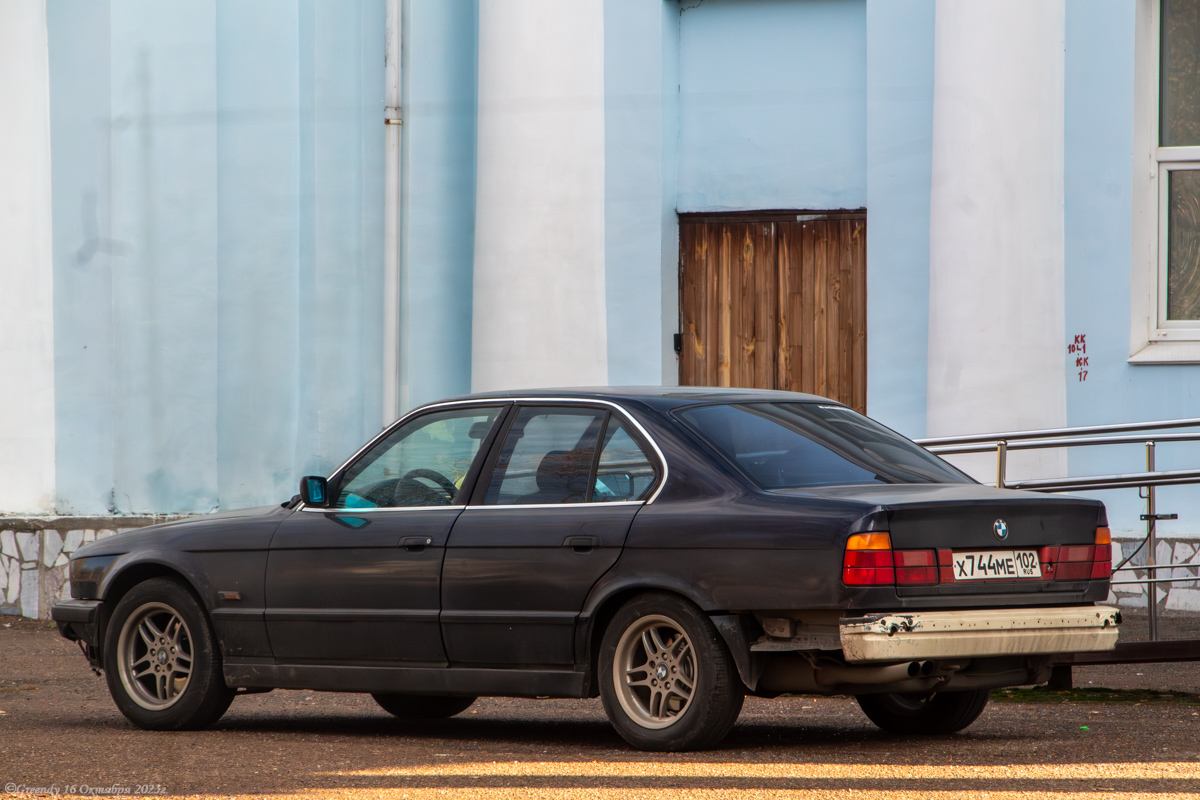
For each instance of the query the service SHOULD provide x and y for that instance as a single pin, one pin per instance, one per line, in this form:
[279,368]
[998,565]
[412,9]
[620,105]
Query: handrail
[1177,477]
[1087,430]
[1039,444]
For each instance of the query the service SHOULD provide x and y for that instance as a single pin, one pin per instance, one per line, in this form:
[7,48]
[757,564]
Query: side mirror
[314,490]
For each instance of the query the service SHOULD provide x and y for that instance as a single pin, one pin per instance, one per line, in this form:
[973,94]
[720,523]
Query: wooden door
[775,301]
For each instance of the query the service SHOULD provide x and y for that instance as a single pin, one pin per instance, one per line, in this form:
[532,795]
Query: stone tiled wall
[1183,554]
[34,553]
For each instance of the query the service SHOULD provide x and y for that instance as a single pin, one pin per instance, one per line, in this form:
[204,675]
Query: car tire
[422,706]
[936,715]
[667,680]
[163,666]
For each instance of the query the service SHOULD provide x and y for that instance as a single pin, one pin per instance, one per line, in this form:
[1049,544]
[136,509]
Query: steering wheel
[409,481]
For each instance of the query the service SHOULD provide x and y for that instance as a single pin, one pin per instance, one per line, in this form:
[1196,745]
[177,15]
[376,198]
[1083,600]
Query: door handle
[581,544]
[415,544]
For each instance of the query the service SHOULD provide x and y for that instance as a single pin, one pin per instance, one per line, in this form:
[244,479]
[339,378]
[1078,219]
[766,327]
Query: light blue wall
[260,242]
[217,315]
[1098,202]
[725,104]
[438,203]
[772,104]
[899,173]
[163,196]
[639,125]
[670,190]
[80,131]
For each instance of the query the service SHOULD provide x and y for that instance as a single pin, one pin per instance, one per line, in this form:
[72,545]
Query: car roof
[658,396]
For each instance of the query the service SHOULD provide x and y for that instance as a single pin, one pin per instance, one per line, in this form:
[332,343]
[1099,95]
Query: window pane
[1183,245]
[773,455]
[864,441]
[815,444]
[1180,101]
[422,463]
[625,473]
[547,457]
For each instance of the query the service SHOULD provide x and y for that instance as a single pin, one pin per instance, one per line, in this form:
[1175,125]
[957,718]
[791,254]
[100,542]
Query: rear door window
[624,471]
[547,457]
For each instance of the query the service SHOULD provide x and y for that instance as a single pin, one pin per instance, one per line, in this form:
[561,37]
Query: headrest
[558,470]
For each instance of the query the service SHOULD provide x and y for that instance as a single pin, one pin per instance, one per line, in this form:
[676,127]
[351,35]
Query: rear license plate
[987,565]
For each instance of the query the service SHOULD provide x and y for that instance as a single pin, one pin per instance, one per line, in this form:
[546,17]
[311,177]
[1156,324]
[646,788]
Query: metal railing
[1093,436]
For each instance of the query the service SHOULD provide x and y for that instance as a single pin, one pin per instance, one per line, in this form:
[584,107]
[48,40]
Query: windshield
[788,445]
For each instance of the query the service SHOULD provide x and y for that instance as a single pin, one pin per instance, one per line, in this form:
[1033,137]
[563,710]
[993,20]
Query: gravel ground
[58,729]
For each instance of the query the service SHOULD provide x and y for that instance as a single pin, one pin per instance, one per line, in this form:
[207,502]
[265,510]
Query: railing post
[1151,573]
[1001,463]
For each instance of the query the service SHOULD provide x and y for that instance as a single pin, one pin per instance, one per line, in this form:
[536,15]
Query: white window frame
[1153,338]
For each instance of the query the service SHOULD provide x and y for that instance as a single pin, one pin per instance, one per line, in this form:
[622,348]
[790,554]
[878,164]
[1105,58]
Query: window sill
[1167,353]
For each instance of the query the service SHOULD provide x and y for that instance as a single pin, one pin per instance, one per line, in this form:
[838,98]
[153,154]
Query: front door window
[422,463]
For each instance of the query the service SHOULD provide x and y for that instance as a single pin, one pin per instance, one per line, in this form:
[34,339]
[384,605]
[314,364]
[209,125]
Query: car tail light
[1075,562]
[1049,558]
[946,565]
[1079,552]
[868,560]
[1073,571]
[916,567]
[1102,557]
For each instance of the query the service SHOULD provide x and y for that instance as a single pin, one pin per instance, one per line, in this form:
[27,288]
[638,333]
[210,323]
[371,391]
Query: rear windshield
[787,445]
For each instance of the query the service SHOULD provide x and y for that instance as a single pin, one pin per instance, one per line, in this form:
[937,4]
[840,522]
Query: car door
[357,582]
[548,521]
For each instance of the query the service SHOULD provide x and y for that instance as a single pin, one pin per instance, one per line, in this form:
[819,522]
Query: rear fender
[737,630]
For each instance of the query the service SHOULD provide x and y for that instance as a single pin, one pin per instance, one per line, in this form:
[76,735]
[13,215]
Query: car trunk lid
[985,540]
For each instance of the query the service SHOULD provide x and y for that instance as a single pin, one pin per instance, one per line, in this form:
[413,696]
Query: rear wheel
[163,664]
[666,678]
[924,714]
[422,706]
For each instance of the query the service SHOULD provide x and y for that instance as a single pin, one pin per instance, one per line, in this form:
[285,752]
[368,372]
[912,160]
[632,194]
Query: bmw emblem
[1000,527]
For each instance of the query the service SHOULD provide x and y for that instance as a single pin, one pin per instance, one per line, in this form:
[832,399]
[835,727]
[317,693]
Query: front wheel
[926,715]
[163,665]
[666,678]
[422,706]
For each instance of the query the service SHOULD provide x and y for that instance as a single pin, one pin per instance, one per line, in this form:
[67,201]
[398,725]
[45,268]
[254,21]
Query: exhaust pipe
[921,669]
[832,674]
[792,674]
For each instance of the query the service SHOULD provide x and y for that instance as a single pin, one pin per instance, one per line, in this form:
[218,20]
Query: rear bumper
[978,633]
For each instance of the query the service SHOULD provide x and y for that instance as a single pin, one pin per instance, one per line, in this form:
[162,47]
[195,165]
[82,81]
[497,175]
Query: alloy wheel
[655,671]
[155,656]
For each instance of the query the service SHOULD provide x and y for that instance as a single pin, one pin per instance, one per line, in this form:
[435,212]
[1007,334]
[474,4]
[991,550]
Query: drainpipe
[391,220]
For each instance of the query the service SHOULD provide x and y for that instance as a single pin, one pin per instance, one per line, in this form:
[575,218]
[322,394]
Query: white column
[26,268]
[996,317]
[539,312]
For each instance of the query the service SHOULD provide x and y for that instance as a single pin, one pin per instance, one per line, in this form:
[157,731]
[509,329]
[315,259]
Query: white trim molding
[27,424]
[1153,339]
[539,301]
[996,228]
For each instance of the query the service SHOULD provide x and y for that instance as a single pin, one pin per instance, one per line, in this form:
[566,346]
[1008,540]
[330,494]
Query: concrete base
[34,552]
[1184,557]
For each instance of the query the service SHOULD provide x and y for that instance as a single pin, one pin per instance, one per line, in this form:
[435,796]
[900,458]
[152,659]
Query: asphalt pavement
[59,732]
